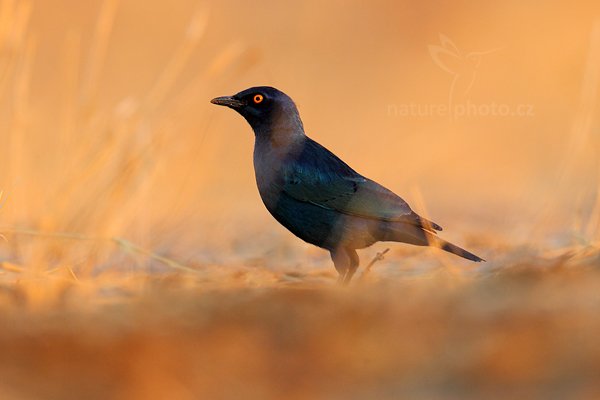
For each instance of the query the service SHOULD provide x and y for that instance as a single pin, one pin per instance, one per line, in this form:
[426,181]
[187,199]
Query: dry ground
[522,331]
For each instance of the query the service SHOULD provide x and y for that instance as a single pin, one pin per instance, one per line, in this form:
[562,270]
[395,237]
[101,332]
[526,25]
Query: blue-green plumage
[316,195]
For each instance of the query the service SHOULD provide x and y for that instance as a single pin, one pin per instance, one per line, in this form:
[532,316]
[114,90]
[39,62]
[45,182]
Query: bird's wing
[329,183]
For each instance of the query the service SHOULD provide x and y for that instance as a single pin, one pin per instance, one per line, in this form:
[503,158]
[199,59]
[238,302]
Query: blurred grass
[521,332]
[137,261]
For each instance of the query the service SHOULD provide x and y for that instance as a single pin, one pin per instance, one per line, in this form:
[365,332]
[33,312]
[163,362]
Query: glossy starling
[317,196]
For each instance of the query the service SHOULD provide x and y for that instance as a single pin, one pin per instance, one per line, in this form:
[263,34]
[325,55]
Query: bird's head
[270,112]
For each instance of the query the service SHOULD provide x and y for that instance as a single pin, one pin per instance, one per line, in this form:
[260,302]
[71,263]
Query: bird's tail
[454,249]
[417,236]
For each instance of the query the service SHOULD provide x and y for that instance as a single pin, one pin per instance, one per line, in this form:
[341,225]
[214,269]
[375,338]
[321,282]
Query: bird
[317,196]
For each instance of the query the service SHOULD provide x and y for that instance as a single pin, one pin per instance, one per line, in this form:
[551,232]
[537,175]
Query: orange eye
[258,98]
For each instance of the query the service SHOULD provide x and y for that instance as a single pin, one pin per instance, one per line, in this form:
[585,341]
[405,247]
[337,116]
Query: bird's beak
[228,101]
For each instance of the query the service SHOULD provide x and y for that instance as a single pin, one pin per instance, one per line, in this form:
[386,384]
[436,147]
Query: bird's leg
[341,261]
[354,262]
[346,262]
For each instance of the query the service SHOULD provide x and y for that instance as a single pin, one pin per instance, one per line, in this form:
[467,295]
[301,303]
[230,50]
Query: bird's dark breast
[321,226]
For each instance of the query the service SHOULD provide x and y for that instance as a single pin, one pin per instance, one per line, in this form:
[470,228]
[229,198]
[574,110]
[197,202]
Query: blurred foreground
[525,331]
